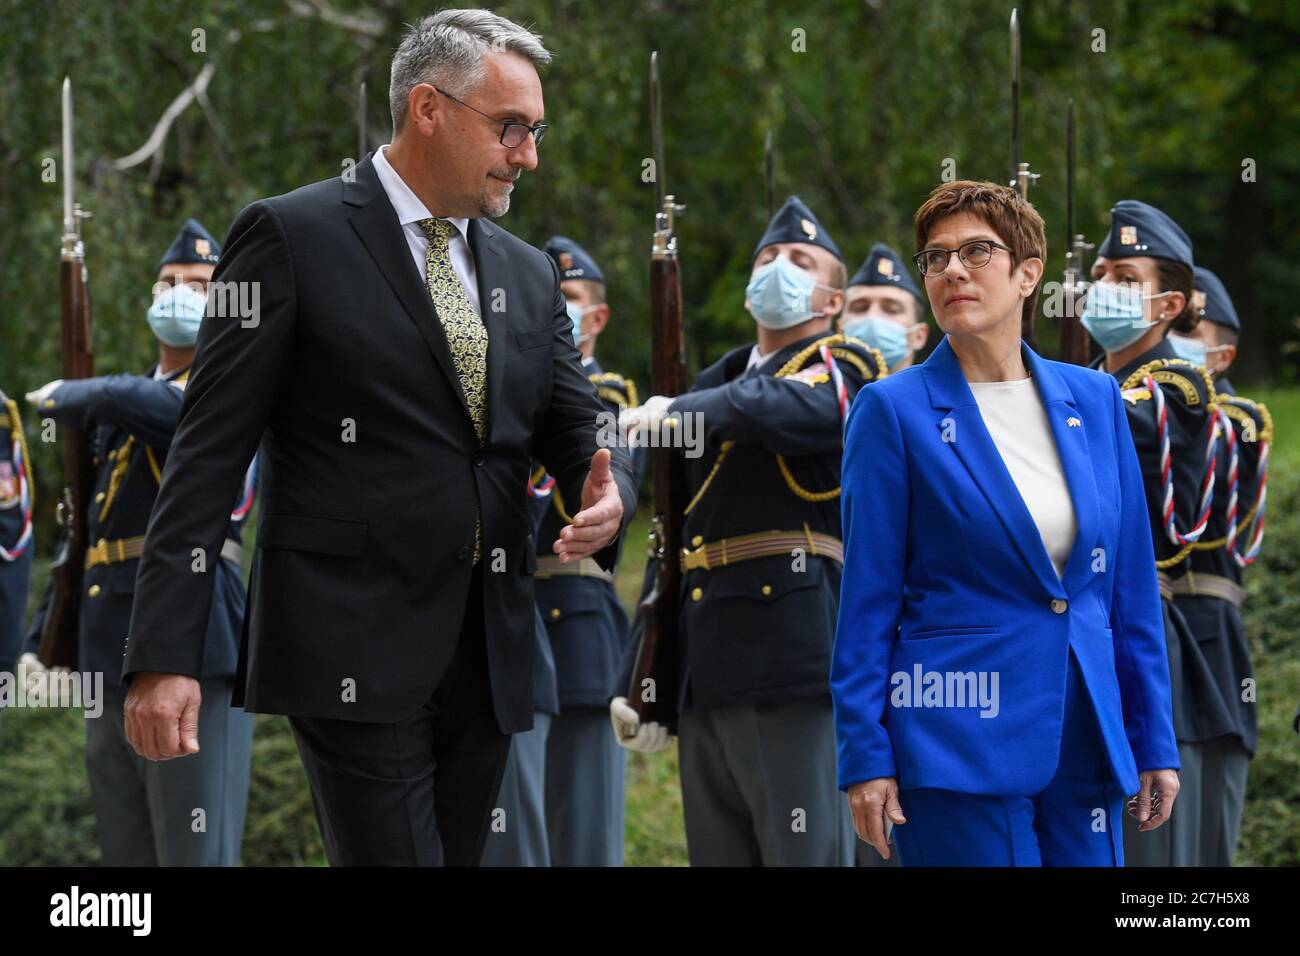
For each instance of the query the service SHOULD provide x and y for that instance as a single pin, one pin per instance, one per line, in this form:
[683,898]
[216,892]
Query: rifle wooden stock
[59,636]
[1076,346]
[659,653]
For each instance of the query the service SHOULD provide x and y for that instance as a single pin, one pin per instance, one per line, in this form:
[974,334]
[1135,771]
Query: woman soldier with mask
[1141,294]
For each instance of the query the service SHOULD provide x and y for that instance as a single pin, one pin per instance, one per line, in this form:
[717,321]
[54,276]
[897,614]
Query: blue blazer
[945,571]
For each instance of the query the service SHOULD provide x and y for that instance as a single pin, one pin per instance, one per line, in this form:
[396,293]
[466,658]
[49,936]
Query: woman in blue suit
[999,674]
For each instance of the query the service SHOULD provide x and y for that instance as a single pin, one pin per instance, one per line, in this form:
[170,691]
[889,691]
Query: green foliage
[1271,825]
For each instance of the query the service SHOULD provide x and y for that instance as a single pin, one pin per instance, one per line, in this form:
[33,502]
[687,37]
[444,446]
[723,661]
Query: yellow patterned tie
[466,335]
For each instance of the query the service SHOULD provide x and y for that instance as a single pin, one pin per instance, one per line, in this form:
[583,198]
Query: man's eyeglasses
[512,134]
[973,255]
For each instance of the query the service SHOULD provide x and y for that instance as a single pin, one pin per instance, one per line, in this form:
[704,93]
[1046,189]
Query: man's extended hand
[600,518]
[162,715]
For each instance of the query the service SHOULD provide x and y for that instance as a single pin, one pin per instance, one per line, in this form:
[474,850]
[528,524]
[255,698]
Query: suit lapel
[1072,446]
[489,268]
[376,225]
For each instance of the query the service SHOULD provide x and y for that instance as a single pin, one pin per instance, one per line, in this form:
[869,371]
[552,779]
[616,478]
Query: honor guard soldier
[1207,586]
[884,308]
[149,813]
[587,626]
[1141,293]
[15,532]
[762,567]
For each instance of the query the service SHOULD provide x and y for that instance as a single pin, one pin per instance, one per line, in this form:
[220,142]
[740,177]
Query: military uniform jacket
[132,419]
[1201,711]
[761,630]
[584,619]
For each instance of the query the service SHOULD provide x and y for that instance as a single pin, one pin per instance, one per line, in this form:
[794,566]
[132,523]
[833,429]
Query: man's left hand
[600,518]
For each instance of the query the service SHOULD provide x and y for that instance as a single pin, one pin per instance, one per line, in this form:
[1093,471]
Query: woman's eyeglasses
[973,255]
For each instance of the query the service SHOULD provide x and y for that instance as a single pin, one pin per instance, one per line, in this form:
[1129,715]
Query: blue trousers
[1074,821]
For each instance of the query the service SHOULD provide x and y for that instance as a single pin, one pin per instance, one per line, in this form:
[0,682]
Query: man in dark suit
[400,360]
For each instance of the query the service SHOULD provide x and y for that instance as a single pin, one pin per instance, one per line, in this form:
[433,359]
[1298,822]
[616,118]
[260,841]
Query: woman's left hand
[1157,790]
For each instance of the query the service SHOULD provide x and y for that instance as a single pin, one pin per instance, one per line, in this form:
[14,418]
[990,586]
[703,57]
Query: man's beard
[494,205]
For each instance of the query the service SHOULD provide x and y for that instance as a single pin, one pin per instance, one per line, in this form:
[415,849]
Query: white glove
[646,417]
[647,738]
[37,398]
[28,664]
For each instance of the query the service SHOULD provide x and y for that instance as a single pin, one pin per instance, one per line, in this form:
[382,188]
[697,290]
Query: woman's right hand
[871,802]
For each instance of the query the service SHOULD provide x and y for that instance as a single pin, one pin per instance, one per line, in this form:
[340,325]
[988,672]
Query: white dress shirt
[410,210]
[1014,415]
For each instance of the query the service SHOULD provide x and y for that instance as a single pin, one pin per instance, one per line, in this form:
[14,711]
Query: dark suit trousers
[418,792]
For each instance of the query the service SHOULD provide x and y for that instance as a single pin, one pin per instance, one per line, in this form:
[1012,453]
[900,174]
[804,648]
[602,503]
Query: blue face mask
[1193,350]
[883,334]
[779,295]
[175,315]
[1112,314]
[1189,349]
[576,312]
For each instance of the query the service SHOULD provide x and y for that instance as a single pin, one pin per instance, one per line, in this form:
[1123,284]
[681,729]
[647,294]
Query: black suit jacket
[371,471]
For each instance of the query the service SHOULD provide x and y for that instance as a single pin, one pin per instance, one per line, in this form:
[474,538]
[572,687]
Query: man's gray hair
[447,49]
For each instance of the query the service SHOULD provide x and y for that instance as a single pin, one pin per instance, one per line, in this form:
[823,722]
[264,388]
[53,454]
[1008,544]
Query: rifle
[658,655]
[1075,345]
[1021,177]
[62,621]
[362,137]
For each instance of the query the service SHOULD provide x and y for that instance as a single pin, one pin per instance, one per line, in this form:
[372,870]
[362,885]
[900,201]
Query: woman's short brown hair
[1008,213]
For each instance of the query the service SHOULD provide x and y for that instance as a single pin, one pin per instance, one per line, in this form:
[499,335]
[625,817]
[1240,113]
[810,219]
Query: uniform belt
[128,549]
[1203,585]
[764,544]
[551,567]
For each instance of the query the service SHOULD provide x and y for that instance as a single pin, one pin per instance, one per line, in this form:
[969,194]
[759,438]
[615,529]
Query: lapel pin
[1074,422]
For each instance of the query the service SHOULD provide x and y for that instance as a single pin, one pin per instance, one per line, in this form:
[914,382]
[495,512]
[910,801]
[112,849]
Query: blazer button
[697,593]
[1059,605]
[555,614]
[462,552]
[696,541]
[94,590]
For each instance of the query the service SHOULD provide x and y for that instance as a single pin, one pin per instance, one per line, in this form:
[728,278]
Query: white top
[1014,415]
[410,210]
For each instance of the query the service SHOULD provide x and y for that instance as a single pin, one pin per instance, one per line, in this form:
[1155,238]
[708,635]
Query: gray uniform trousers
[586,784]
[147,812]
[517,833]
[1223,797]
[759,786]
